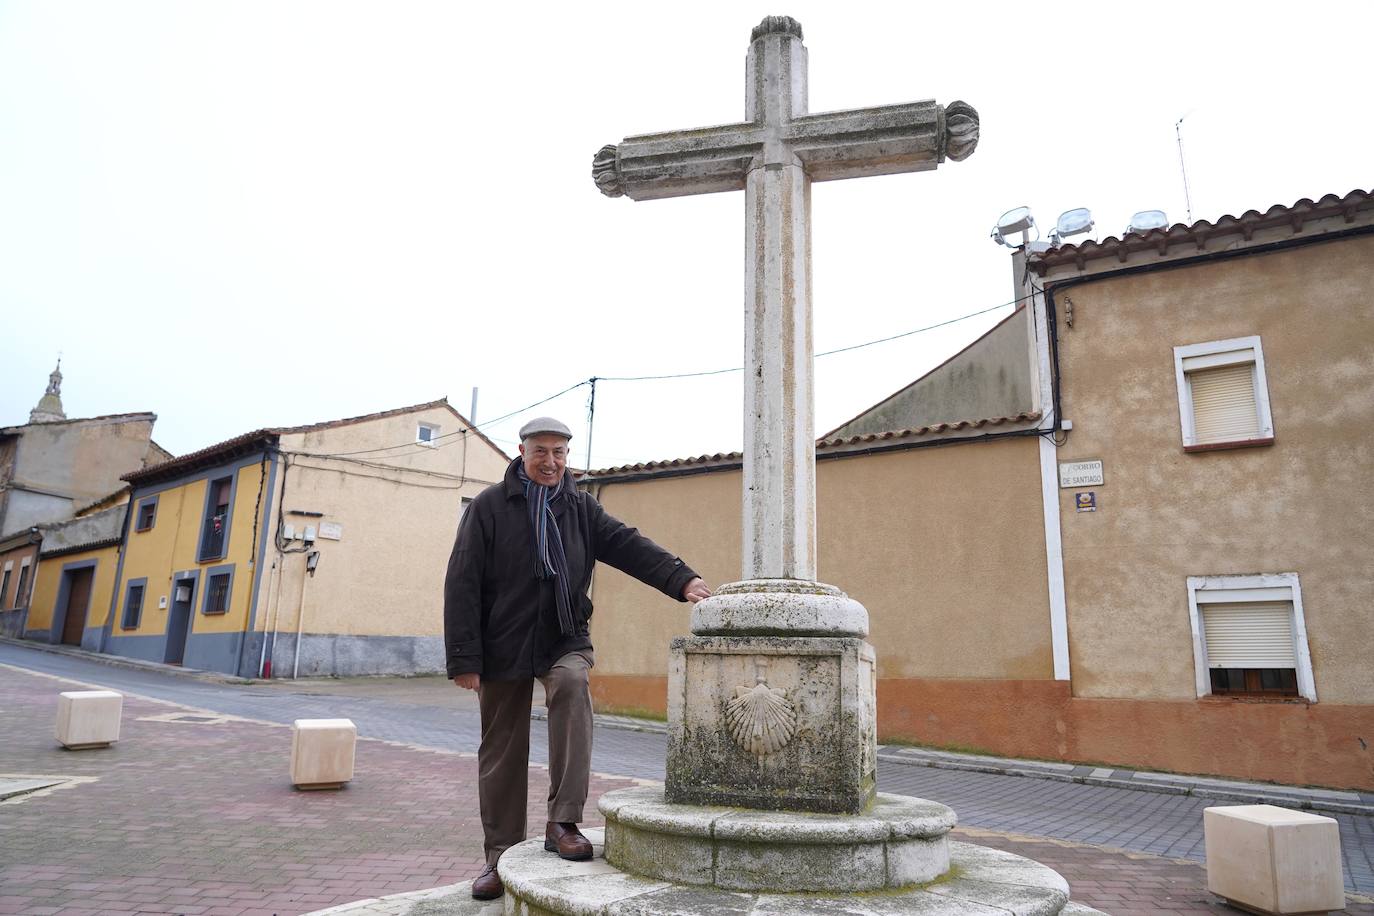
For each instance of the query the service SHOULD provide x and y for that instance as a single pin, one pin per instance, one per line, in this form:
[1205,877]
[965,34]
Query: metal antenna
[1187,197]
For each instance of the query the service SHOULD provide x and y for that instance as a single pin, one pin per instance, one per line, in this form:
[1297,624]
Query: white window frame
[433,435]
[1215,353]
[1249,589]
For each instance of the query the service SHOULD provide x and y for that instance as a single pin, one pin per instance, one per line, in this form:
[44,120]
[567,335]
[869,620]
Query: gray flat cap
[544,426]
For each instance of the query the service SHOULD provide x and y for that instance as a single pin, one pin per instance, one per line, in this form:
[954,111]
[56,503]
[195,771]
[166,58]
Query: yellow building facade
[295,551]
[75,570]
[72,594]
[187,576]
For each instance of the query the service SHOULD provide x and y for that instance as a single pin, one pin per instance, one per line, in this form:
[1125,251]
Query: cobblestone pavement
[222,832]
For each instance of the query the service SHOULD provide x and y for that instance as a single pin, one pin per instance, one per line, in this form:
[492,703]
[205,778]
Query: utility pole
[591,415]
[1187,197]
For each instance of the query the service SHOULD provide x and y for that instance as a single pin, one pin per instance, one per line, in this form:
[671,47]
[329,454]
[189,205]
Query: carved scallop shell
[761,719]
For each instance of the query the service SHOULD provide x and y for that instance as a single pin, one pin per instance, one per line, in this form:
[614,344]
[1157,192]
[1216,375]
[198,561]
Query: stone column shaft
[779,438]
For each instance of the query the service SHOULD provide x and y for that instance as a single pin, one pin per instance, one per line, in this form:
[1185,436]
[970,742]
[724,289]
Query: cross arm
[914,136]
[678,163]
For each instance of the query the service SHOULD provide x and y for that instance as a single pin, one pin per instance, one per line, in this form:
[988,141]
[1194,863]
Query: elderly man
[516,609]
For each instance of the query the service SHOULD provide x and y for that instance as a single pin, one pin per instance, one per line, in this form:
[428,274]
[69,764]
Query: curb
[1251,793]
[625,723]
[134,664]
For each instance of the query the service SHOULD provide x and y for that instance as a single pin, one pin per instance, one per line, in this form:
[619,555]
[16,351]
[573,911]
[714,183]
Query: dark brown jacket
[500,621]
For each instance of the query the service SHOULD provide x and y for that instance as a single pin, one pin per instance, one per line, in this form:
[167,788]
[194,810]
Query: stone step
[981,882]
[896,841]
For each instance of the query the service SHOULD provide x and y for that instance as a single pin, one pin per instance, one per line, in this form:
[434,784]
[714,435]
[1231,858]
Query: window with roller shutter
[1250,648]
[1249,636]
[1223,399]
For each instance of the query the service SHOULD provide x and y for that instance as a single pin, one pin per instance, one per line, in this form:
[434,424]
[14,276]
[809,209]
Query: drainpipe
[264,663]
[311,559]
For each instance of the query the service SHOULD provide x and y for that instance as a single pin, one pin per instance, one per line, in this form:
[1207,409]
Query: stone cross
[773,156]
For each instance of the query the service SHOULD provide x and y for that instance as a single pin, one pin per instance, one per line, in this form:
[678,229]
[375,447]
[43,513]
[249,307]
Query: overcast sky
[247,214]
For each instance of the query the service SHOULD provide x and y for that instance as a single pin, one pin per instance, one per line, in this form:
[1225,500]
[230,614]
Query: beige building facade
[1202,609]
[883,505]
[1218,594]
[385,519]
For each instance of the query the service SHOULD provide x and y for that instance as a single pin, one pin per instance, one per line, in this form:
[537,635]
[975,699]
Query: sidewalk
[1325,801]
[119,661]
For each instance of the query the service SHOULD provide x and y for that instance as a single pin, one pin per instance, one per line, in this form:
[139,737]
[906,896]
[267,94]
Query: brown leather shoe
[487,885]
[567,841]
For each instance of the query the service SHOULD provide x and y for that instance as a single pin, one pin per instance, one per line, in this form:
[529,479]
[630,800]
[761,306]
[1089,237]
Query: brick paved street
[185,817]
[197,818]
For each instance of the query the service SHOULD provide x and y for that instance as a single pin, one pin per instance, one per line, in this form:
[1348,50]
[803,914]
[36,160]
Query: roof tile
[728,458]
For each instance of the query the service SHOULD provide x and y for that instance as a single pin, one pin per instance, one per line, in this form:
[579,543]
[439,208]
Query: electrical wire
[646,378]
[461,432]
[404,483]
[991,308]
[859,346]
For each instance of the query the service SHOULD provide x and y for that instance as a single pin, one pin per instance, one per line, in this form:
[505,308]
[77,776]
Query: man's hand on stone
[468,681]
[695,590]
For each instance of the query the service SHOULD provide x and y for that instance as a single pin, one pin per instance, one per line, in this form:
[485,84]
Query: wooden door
[78,600]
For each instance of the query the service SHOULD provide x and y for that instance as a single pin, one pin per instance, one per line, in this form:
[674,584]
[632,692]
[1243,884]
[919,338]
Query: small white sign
[331,531]
[1080,474]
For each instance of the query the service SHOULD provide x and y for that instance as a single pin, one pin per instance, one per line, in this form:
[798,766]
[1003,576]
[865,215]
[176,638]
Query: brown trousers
[503,758]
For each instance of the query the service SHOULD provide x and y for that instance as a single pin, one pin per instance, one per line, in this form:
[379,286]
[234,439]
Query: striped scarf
[550,562]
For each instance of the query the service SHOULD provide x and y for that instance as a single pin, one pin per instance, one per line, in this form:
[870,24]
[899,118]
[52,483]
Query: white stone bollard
[322,753]
[1273,860]
[88,718]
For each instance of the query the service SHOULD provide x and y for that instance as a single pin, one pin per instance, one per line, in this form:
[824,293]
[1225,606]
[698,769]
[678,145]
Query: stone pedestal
[979,881]
[1267,859]
[772,721]
[88,718]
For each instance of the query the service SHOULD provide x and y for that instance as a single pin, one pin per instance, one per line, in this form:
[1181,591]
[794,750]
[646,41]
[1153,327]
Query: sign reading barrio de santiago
[1080,474]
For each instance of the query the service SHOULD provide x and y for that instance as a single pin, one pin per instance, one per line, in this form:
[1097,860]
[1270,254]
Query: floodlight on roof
[1072,222]
[1146,220]
[1011,222]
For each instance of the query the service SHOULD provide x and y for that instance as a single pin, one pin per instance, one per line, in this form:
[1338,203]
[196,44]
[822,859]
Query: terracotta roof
[1201,232]
[206,457]
[103,418]
[78,548]
[727,459]
[362,418]
[260,438]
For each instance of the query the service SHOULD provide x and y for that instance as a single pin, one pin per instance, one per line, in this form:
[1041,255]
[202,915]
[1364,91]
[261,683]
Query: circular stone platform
[896,841]
[981,882]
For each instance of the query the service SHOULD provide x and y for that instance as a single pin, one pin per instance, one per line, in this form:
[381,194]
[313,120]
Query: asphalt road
[431,712]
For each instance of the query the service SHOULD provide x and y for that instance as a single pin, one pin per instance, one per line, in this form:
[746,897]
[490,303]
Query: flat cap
[544,426]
